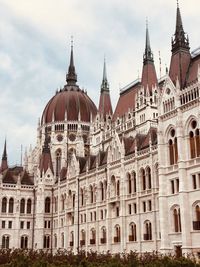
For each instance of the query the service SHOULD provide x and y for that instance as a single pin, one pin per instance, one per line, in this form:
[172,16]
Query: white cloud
[34,51]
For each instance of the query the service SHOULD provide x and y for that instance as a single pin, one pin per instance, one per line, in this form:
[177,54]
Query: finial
[71,76]
[177,3]
[146,22]
[72,41]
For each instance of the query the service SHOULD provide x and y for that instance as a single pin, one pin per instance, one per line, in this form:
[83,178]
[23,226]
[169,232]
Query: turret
[181,57]
[105,106]
[149,77]
[4,162]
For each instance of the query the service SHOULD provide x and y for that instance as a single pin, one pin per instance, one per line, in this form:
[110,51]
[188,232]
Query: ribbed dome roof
[71,101]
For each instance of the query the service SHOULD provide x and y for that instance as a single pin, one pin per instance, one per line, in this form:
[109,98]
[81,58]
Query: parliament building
[112,180]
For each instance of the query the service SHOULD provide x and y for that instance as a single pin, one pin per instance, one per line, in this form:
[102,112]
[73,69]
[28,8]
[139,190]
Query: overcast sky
[35,47]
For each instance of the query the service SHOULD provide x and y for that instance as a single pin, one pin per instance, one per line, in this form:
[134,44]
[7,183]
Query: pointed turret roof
[4,162]
[181,57]
[148,55]
[104,84]
[149,77]
[46,161]
[105,106]
[180,40]
[71,77]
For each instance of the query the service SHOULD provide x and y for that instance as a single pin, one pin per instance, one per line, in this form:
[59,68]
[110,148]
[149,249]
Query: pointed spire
[4,156]
[148,55]
[4,162]
[71,77]
[104,84]
[180,39]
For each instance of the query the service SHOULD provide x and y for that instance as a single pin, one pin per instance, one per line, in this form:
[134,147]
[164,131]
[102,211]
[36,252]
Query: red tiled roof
[73,101]
[129,144]
[105,106]
[149,76]
[126,101]
[179,67]
[193,69]
[26,179]
[46,162]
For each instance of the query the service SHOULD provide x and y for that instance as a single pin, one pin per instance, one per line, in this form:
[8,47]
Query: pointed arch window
[58,162]
[5,241]
[147,230]
[22,206]
[143,179]
[93,236]
[148,176]
[117,234]
[194,140]
[132,232]
[28,206]
[71,242]
[11,205]
[118,188]
[177,220]
[47,205]
[134,183]
[196,223]
[55,241]
[173,148]
[24,242]
[103,234]
[4,205]
[102,191]
[129,183]
[82,241]
[46,241]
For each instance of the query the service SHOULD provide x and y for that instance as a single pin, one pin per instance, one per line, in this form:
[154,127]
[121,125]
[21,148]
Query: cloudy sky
[35,47]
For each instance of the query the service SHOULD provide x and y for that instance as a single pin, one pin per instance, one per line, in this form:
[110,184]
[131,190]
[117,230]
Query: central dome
[71,103]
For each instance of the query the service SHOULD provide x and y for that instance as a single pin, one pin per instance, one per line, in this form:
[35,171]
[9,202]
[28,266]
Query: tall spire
[46,161]
[180,40]
[104,84]
[4,162]
[148,55]
[149,77]
[105,106]
[71,76]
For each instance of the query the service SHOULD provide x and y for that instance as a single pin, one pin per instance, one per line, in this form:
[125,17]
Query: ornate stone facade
[119,182]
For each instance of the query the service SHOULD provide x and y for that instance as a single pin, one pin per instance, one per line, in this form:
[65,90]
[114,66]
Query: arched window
[4,205]
[82,241]
[22,206]
[55,241]
[46,241]
[132,232]
[129,183]
[143,179]
[47,205]
[24,242]
[71,243]
[58,162]
[134,183]
[102,191]
[103,234]
[91,194]
[147,230]
[173,148]
[194,140]
[196,222]
[28,206]
[177,220]
[55,204]
[113,186]
[93,236]
[62,240]
[5,241]
[11,205]
[118,188]
[197,211]
[117,234]
[62,202]
[148,176]
[82,197]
